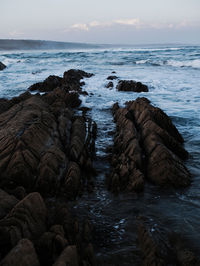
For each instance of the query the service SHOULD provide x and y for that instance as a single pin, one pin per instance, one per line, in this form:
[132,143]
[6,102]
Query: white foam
[189,63]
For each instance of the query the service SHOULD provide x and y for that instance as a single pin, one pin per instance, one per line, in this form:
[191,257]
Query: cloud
[130,22]
[79,26]
[16,33]
[135,23]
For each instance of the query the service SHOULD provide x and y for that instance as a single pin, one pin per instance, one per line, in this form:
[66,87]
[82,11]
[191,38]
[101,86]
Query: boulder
[109,85]
[2,66]
[23,254]
[68,257]
[48,84]
[26,220]
[72,77]
[7,202]
[112,77]
[131,85]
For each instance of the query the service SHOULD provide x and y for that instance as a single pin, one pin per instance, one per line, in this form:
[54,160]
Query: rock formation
[131,85]
[147,145]
[46,152]
[2,66]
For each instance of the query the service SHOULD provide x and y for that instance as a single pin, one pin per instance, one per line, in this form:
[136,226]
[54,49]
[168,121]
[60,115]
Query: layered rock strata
[146,146]
[46,153]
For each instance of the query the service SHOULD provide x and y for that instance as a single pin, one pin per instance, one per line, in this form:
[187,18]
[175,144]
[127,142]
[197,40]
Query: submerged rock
[2,66]
[112,77]
[131,85]
[109,85]
[161,247]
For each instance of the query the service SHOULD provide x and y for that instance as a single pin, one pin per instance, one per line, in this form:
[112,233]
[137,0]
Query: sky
[102,21]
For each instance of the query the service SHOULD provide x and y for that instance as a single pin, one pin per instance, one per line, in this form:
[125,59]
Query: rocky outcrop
[147,145]
[7,202]
[26,220]
[112,77]
[2,66]
[131,85]
[70,81]
[48,84]
[68,257]
[46,157]
[109,85]
[22,254]
[44,136]
[160,247]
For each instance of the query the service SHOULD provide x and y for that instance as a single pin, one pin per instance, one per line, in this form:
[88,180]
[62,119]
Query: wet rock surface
[112,77]
[109,84]
[131,85]
[146,146]
[2,66]
[46,153]
[161,247]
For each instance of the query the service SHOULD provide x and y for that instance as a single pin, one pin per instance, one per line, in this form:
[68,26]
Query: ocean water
[172,74]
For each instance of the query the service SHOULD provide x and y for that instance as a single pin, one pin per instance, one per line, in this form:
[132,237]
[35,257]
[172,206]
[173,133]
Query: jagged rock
[155,247]
[112,77]
[162,144]
[72,183]
[131,85]
[2,66]
[68,257]
[48,84]
[51,244]
[126,173]
[23,254]
[72,77]
[109,85]
[161,247]
[5,104]
[147,144]
[32,136]
[26,220]
[7,202]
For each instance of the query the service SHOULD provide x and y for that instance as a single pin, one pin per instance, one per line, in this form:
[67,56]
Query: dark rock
[2,66]
[161,247]
[131,85]
[72,77]
[154,246]
[113,72]
[23,254]
[7,202]
[26,220]
[48,84]
[127,171]
[112,77]
[26,154]
[146,144]
[109,85]
[7,104]
[68,257]
[51,244]
[161,142]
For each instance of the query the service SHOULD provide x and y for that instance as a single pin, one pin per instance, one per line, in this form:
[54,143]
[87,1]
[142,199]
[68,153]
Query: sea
[172,73]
